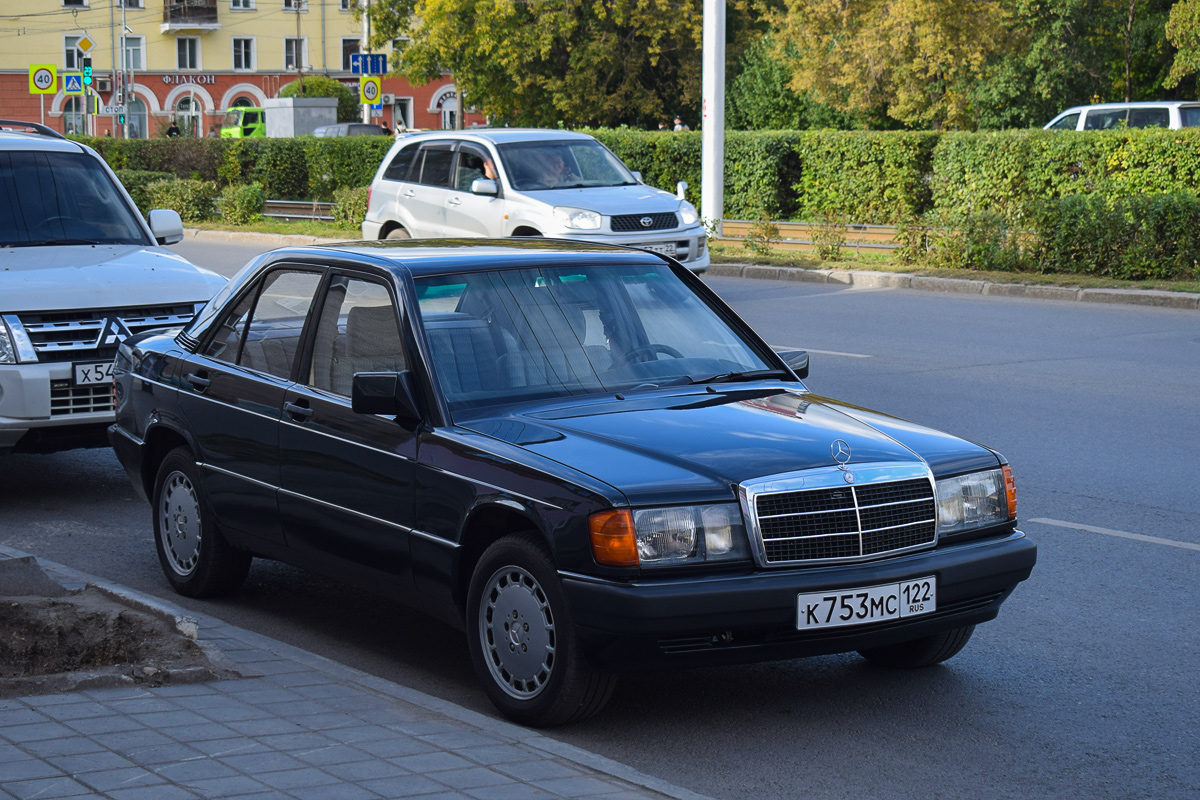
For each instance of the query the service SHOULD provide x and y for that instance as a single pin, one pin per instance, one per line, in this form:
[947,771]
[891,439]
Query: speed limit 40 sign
[368,89]
[43,79]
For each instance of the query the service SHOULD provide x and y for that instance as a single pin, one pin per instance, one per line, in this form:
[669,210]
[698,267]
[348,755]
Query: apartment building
[187,61]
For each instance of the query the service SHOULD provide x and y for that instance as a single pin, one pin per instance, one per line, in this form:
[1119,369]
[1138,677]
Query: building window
[350,47]
[295,53]
[73,119]
[134,46]
[187,116]
[399,43]
[71,54]
[403,113]
[243,54]
[295,5]
[187,52]
[75,3]
[347,5]
[130,4]
[241,5]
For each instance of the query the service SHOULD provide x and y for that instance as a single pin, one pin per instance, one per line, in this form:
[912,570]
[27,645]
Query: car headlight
[8,353]
[672,535]
[688,213]
[976,500]
[577,218]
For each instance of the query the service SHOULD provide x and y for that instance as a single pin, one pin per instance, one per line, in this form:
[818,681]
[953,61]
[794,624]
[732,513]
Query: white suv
[1172,114]
[80,272]
[514,182]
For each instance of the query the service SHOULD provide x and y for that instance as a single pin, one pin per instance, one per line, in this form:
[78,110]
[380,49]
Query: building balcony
[190,16]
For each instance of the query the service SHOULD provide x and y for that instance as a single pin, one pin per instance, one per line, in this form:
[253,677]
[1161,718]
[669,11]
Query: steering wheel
[645,352]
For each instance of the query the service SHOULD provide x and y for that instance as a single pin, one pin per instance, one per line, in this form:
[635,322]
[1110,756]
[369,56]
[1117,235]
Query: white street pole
[366,49]
[712,142]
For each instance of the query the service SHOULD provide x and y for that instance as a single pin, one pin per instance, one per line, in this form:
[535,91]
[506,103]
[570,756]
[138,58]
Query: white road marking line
[822,352]
[1058,523]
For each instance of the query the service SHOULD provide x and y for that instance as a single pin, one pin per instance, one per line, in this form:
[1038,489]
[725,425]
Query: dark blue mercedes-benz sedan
[578,453]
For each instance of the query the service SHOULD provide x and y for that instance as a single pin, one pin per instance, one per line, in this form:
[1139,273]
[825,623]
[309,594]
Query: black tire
[924,652]
[536,674]
[398,233]
[194,554]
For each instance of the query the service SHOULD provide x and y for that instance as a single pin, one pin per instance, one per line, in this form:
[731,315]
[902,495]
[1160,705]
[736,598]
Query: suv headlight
[8,353]
[577,218]
[672,535]
[976,500]
[688,213]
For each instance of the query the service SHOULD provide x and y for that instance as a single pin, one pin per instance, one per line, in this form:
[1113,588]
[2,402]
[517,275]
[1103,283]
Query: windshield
[504,336]
[232,119]
[62,198]
[561,165]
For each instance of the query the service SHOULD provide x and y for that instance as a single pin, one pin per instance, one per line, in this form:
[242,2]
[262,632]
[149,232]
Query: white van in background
[1173,114]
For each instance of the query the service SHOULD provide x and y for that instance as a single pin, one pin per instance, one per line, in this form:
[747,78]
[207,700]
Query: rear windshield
[62,198]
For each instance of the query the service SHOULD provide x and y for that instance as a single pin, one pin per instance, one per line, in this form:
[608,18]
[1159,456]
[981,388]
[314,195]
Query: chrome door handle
[303,412]
[198,382]
[454,201]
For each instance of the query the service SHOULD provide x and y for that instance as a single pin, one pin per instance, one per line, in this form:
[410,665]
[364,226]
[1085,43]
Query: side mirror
[387,393]
[166,226]
[637,176]
[797,360]
[681,190]
[484,186]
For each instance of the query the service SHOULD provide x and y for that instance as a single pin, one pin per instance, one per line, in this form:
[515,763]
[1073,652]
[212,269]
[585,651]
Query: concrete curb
[894,280]
[72,578]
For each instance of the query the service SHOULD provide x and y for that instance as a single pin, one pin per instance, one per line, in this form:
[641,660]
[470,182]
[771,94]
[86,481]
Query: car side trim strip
[310,429]
[238,475]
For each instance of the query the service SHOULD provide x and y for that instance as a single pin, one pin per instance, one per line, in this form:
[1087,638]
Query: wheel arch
[526,230]
[159,441]
[390,226]
[485,525]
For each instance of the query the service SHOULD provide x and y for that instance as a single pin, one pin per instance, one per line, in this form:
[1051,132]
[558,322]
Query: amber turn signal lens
[613,541]
[1010,487]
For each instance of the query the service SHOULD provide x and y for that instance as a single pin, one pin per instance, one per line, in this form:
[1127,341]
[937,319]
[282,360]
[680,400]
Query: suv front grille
[95,333]
[625,223]
[846,522]
[66,399]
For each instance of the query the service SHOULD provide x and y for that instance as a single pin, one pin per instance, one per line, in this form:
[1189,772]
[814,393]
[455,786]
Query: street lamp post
[712,142]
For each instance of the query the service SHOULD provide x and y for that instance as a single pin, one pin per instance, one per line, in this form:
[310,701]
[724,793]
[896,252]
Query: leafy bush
[135,182]
[280,166]
[1132,238]
[342,162]
[350,207]
[192,199]
[242,204]
[348,109]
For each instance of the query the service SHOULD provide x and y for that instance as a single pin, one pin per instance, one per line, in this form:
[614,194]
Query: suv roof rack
[29,127]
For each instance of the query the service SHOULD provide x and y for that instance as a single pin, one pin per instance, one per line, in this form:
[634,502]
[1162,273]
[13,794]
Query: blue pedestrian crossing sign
[72,83]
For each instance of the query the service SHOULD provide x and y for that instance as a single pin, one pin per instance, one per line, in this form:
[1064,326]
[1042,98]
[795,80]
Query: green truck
[243,123]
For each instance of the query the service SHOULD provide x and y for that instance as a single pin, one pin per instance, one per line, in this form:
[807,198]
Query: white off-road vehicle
[80,271]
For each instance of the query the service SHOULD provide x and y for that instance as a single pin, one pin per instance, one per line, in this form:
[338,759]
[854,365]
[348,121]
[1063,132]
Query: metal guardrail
[800,235]
[298,209]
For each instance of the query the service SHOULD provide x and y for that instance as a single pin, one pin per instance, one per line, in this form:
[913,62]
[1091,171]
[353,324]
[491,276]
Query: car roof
[425,257]
[18,140]
[501,135]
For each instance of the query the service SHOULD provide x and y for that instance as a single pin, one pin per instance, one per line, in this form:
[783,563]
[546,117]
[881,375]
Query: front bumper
[41,411]
[747,617]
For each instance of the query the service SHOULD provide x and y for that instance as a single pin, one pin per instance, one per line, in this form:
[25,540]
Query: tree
[549,63]
[348,109]
[917,59]
[1183,31]
[759,97]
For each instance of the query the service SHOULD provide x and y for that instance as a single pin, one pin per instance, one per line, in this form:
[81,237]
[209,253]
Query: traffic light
[87,71]
[121,118]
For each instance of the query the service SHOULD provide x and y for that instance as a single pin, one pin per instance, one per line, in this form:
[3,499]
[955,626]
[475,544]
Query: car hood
[697,445]
[99,276]
[610,200]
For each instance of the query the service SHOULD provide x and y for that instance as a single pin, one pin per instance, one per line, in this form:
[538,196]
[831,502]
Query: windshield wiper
[52,242]
[734,377]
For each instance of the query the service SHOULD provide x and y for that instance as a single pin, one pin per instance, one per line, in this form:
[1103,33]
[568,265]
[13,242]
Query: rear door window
[1149,118]
[1104,119]
[435,163]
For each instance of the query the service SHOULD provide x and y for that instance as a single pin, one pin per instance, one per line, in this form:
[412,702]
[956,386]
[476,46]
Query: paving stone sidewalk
[302,727]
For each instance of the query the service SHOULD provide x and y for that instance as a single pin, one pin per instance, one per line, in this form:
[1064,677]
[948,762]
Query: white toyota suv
[80,272]
[498,182]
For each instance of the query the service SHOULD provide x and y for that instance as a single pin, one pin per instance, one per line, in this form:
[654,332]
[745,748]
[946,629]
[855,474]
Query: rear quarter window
[401,163]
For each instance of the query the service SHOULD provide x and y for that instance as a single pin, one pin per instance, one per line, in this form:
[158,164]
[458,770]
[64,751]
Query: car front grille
[846,522]
[625,223]
[66,399]
[95,333]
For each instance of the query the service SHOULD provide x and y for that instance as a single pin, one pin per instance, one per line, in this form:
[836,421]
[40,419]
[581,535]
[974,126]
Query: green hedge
[350,207]
[242,203]
[194,200]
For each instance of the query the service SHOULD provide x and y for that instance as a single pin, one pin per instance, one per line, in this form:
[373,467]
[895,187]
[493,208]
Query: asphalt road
[1086,686]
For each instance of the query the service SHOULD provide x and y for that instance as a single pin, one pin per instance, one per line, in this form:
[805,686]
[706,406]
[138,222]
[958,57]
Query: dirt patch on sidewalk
[56,641]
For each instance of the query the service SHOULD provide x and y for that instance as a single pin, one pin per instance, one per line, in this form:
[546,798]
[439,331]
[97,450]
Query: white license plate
[911,598]
[91,374]
[667,249]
